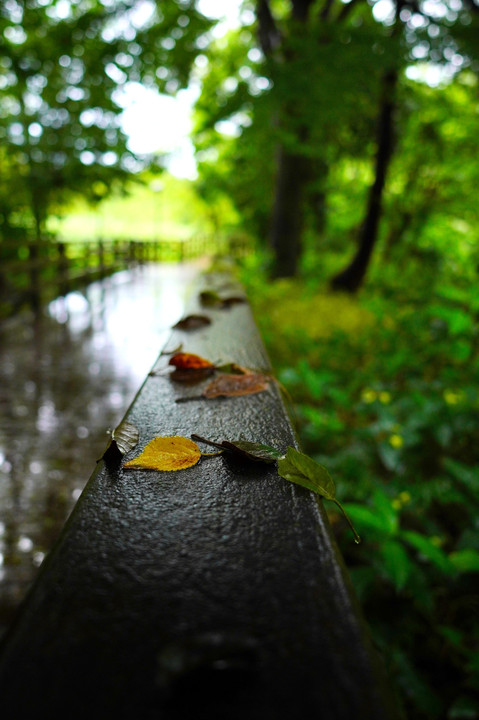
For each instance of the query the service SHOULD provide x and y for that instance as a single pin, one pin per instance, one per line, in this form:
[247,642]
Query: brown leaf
[236,385]
[210,298]
[192,322]
[233,300]
[191,376]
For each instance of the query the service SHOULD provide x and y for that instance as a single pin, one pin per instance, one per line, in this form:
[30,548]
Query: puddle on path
[66,379]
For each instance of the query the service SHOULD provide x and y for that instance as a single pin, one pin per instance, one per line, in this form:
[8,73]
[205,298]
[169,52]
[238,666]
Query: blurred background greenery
[342,139]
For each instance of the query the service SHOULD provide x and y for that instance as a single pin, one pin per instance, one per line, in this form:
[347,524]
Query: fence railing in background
[33,273]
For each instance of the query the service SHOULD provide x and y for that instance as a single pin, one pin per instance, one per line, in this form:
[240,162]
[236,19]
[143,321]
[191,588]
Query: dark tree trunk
[316,197]
[292,167]
[288,212]
[352,277]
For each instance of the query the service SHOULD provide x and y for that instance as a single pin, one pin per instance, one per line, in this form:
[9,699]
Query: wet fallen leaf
[192,322]
[191,376]
[123,439]
[126,436]
[236,385]
[303,470]
[257,452]
[233,300]
[189,361]
[233,368]
[167,453]
[253,451]
[210,298]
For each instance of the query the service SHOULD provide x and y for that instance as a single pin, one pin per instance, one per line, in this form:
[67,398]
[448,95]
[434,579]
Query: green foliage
[386,393]
[64,65]
[141,211]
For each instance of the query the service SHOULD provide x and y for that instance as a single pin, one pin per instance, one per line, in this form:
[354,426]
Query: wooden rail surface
[213,592]
[33,273]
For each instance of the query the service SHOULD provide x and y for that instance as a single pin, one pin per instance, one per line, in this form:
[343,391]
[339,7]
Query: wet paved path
[65,380]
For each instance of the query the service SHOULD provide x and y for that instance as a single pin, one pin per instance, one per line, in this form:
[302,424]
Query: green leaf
[430,551]
[253,451]
[370,518]
[396,562]
[257,452]
[303,470]
[466,560]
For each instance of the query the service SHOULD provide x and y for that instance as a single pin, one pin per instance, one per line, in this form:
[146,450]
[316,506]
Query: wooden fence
[33,273]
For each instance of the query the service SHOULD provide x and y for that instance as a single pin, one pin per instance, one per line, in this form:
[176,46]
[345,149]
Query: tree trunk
[352,277]
[288,211]
[292,167]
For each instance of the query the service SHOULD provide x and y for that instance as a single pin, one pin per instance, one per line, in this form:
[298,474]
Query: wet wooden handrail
[212,592]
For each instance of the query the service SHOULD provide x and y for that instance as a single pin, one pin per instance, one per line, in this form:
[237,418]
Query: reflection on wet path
[65,379]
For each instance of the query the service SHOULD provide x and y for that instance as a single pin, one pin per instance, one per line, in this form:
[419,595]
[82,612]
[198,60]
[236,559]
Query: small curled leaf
[123,439]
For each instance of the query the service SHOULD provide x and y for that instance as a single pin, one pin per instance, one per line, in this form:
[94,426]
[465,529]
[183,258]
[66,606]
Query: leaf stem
[357,539]
[207,442]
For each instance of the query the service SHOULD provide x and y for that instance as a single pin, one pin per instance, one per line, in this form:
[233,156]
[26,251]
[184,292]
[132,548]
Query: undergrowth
[385,391]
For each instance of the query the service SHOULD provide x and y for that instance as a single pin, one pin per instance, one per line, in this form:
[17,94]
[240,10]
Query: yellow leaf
[167,453]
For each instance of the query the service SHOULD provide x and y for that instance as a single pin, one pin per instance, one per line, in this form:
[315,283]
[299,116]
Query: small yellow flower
[396,441]
[385,397]
[404,497]
[452,397]
[368,395]
[397,504]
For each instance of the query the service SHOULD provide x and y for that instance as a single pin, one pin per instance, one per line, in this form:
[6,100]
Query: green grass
[173,213]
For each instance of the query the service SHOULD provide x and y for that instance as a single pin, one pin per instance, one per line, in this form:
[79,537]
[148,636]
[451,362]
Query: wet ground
[66,378]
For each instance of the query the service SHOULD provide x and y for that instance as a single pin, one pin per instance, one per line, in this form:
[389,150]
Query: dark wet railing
[215,592]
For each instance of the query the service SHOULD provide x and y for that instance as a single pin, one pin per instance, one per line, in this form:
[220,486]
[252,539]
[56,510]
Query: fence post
[34,291]
[63,284]
[101,258]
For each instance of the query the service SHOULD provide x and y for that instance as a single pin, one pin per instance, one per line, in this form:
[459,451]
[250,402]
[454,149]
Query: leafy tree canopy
[64,62]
